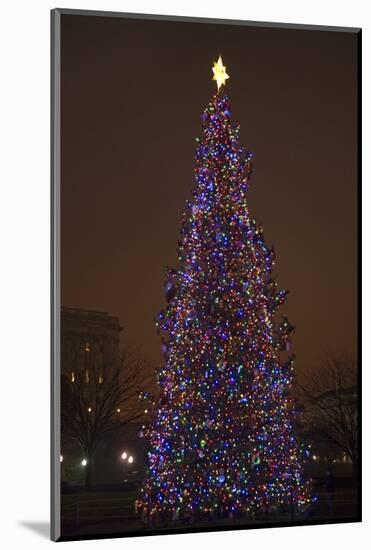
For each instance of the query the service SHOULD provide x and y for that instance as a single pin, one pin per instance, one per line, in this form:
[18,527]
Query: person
[330,489]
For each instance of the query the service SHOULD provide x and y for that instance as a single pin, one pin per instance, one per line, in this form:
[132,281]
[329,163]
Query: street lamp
[61,458]
[127,458]
[84,462]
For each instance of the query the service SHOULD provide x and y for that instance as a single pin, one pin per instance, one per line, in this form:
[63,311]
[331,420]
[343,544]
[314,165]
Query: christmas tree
[222,435]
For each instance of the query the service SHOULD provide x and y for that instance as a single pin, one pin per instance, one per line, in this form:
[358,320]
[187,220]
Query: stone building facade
[88,339]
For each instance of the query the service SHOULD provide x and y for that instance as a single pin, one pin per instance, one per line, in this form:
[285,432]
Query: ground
[112,511]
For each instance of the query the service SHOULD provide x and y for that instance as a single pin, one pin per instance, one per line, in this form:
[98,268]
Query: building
[88,338]
[90,345]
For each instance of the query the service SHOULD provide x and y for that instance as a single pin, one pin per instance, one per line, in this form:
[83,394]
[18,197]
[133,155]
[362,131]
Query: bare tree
[98,401]
[331,404]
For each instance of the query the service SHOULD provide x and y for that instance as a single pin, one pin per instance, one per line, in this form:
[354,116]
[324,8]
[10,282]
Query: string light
[222,434]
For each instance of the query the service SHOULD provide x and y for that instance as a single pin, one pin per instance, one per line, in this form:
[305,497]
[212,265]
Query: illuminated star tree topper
[220,74]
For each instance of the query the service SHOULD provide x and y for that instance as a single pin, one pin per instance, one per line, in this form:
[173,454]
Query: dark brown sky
[132,94]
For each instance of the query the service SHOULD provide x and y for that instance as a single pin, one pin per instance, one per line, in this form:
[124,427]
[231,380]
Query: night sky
[132,95]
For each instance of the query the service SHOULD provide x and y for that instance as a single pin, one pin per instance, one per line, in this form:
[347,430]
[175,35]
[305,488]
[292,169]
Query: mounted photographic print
[205,208]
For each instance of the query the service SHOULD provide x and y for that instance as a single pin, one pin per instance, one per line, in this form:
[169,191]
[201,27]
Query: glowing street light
[61,458]
[84,462]
[124,455]
[130,459]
